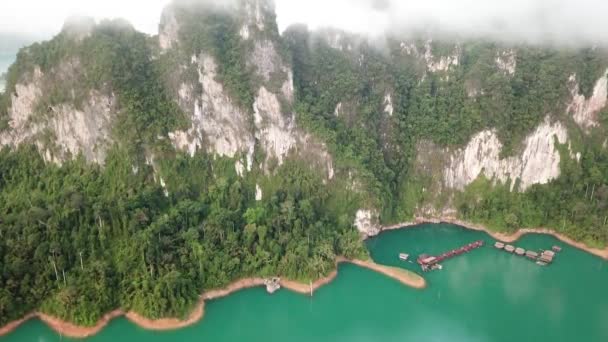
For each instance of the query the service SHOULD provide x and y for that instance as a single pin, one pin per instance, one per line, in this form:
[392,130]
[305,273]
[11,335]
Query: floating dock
[532,255]
[543,258]
[429,262]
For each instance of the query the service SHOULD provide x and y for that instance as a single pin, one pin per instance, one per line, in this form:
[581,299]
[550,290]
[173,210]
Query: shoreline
[507,238]
[71,330]
[405,277]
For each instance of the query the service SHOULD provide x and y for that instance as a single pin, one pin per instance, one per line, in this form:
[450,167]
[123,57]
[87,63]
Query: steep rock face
[255,13]
[584,111]
[433,63]
[64,131]
[538,162]
[218,125]
[506,61]
[388,104]
[366,221]
[168,29]
[275,129]
[339,40]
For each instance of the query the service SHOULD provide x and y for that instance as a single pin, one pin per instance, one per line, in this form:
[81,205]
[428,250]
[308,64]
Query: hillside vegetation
[153,227]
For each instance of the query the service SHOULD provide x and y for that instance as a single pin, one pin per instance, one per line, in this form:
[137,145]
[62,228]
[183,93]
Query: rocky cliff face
[537,163]
[61,131]
[585,111]
[221,126]
[218,125]
[262,132]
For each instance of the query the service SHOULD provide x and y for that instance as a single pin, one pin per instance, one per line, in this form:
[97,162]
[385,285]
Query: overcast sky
[569,21]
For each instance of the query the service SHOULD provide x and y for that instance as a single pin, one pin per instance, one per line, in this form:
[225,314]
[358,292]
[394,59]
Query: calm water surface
[486,295]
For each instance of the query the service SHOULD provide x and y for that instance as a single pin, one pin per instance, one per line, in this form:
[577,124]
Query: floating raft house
[509,248]
[546,257]
[520,251]
[499,245]
[532,255]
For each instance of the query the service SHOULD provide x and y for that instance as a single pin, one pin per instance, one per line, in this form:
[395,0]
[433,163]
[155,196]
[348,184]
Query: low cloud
[561,22]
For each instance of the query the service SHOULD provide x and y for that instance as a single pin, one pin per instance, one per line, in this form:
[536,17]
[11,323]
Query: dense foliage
[78,240]
[117,60]
[340,97]
[576,203]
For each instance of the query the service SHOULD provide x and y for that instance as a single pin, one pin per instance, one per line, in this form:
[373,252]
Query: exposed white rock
[575,156]
[338,110]
[24,99]
[185,92]
[334,40]
[474,92]
[240,168]
[388,104]
[366,221]
[258,193]
[164,186]
[444,63]
[275,132]
[538,163]
[433,64]
[287,89]
[330,166]
[86,131]
[217,124]
[221,127]
[244,32]
[254,16]
[73,131]
[169,29]
[584,111]
[409,49]
[506,61]
[265,59]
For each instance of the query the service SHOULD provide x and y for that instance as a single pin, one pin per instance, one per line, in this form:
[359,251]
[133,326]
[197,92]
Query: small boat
[436,267]
[404,256]
[557,248]
[541,263]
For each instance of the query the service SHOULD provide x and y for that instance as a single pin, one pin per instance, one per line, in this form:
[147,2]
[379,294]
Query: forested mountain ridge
[139,171]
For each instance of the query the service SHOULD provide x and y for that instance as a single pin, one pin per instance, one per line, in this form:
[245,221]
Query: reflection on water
[486,295]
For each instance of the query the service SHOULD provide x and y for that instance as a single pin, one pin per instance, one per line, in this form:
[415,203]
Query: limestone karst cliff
[386,122]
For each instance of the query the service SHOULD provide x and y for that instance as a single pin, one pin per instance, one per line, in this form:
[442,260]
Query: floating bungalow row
[543,258]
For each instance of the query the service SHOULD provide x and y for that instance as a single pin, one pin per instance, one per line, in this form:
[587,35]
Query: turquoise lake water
[486,295]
